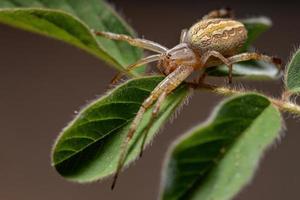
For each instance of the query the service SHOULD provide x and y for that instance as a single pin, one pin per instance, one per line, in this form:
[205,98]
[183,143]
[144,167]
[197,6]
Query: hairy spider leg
[135,65]
[221,13]
[166,86]
[154,115]
[142,43]
[256,56]
[205,57]
[239,58]
[227,61]
[202,77]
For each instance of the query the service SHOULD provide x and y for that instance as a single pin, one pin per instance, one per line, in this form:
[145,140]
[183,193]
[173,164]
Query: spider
[214,40]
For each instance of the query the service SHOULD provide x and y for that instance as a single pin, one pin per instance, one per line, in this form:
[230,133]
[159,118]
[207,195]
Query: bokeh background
[42,81]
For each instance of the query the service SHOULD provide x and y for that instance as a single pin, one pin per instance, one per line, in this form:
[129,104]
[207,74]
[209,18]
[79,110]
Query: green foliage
[247,69]
[255,26]
[71,21]
[292,78]
[215,160]
[88,148]
[76,18]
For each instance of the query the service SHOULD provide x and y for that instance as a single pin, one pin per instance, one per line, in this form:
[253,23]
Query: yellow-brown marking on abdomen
[224,35]
[203,31]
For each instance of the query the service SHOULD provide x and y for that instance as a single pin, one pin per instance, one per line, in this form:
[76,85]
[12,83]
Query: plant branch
[282,104]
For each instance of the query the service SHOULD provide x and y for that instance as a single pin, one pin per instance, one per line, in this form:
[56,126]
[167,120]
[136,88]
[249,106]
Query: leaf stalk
[283,104]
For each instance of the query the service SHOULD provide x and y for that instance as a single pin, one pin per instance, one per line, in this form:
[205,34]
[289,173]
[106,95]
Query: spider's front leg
[154,115]
[160,92]
[135,65]
[142,43]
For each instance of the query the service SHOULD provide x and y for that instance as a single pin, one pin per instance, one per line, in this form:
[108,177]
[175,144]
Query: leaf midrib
[95,141]
[108,133]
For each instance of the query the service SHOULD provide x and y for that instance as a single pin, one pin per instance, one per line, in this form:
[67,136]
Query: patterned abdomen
[223,35]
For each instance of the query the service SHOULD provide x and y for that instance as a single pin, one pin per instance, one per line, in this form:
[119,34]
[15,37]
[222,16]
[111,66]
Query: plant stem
[282,104]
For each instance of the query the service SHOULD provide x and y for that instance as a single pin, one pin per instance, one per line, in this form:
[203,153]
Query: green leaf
[95,14]
[255,27]
[250,69]
[71,21]
[292,76]
[88,148]
[215,160]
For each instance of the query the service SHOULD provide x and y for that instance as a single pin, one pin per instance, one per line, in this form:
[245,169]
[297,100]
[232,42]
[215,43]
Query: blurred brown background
[42,81]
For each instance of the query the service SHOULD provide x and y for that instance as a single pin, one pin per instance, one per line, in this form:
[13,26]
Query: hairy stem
[282,104]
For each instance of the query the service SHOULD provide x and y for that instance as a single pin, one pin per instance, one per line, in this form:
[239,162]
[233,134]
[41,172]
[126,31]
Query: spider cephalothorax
[212,41]
[181,54]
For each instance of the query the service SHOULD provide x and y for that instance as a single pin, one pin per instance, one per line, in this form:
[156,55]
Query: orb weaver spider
[214,40]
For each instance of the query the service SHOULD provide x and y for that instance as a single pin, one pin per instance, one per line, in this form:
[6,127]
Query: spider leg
[155,112]
[202,77]
[183,35]
[166,86]
[206,56]
[142,43]
[256,56]
[221,13]
[198,80]
[135,65]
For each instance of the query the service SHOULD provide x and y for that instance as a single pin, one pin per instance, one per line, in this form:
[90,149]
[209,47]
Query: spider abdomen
[225,36]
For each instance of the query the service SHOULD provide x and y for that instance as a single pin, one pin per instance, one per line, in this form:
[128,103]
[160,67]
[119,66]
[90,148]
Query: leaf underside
[215,160]
[71,21]
[292,77]
[88,148]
